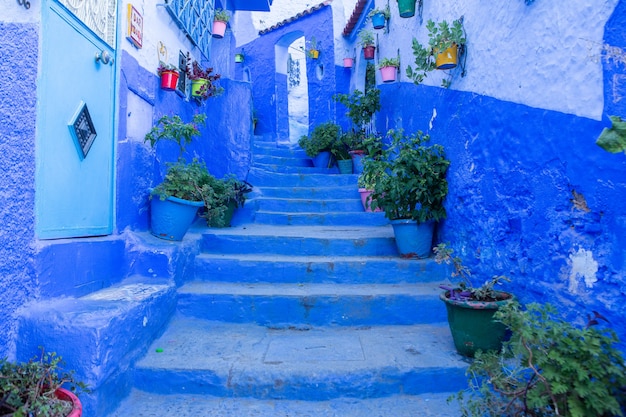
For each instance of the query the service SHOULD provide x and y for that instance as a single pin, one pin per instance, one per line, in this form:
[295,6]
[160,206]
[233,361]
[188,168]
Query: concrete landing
[143,404]
[196,356]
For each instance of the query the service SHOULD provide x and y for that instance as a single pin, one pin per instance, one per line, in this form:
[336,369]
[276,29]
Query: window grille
[195,18]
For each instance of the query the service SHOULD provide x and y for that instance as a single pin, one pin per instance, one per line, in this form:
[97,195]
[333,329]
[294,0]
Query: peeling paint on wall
[583,267]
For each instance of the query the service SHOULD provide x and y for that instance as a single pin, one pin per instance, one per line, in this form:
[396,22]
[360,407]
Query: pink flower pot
[347,62]
[219,29]
[388,74]
[365,200]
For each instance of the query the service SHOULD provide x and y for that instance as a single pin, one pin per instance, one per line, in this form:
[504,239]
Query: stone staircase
[302,308]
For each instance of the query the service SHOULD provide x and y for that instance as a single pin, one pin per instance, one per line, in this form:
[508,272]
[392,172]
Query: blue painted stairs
[303,307]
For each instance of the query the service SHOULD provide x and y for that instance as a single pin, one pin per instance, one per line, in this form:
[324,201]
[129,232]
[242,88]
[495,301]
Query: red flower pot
[368,51]
[66,395]
[169,80]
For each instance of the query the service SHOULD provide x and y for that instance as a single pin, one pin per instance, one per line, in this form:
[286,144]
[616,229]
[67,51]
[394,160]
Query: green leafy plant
[465,290]
[172,128]
[366,37]
[389,62]
[384,11]
[361,108]
[413,183]
[441,36]
[341,147]
[28,389]
[183,180]
[549,367]
[613,139]
[221,15]
[219,194]
[321,139]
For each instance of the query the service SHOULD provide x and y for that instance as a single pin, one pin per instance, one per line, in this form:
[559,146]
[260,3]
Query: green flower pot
[406,8]
[472,325]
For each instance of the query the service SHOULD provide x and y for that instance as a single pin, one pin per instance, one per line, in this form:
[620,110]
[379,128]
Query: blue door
[75,146]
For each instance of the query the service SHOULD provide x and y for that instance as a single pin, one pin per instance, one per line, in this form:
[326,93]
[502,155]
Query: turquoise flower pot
[170,218]
[413,240]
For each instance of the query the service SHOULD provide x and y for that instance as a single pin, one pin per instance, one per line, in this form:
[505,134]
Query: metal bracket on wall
[24,3]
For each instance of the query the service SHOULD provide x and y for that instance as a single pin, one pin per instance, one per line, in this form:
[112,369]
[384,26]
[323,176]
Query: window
[195,18]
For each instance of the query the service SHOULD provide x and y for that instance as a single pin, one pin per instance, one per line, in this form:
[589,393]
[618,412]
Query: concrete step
[199,357]
[260,177]
[294,169]
[347,269]
[100,335]
[345,191]
[308,205]
[269,148]
[271,159]
[320,219]
[146,404]
[301,240]
[285,304]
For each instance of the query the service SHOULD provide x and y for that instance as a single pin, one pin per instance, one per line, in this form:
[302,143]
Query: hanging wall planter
[239,58]
[348,62]
[406,8]
[369,52]
[221,18]
[169,80]
[388,69]
[378,21]
[198,87]
[447,59]
[367,41]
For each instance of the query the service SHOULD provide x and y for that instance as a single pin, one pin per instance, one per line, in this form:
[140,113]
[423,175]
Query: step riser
[321,219]
[302,387]
[307,193]
[285,245]
[268,149]
[282,160]
[290,169]
[310,206]
[231,269]
[319,310]
[259,178]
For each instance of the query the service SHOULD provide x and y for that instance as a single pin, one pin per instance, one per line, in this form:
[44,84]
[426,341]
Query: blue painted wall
[18,94]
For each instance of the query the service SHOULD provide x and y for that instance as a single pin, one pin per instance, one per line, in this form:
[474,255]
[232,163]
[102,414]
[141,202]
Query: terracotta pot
[388,74]
[219,29]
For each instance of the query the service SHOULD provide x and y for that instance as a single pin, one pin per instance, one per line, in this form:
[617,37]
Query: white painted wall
[13,12]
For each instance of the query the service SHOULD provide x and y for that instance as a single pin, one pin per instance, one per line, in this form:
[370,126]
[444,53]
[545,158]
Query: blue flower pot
[378,21]
[321,160]
[413,240]
[170,218]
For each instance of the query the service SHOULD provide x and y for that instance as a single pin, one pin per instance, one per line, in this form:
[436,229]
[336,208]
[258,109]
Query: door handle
[104,57]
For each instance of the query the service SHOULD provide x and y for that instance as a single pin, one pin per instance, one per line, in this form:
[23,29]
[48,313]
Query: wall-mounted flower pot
[170,218]
[406,8]
[314,53]
[219,29]
[413,240]
[239,58]
[378,21]
[388,74]
[169,80]
[447,59]
[196,86]
[369,51]
[348,62]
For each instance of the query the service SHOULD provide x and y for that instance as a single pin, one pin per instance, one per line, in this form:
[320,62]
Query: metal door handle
[104,57]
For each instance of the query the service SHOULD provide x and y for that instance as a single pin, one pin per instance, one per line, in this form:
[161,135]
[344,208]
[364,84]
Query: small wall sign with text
[135,26]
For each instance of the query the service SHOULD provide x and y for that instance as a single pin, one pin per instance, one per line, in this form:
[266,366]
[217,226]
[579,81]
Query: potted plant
[446,42]
[169,76]
[471,309]
[411,190]
[239,58]
[361,108]
[379,16]
[549,367]
[312,50]
[320,142]
[221,197]
[406,8]
[175,201]
[366,40]
[36,388]
[373,169]
[203,81]
[348,61]
[388,68]
[341,152]
[220,19]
